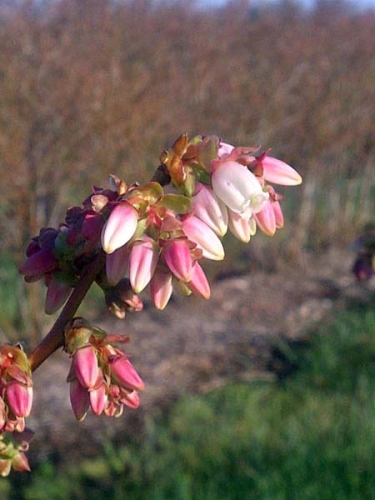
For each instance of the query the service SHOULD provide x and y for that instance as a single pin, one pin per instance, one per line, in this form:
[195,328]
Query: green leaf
[176,202]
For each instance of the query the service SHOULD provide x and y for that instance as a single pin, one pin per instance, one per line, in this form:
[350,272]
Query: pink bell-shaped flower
[79,399]
[120,227]
[143,258]
[199,284]
[178,258]
[266,219]
[279,172]
[237,187]
[20,398]
[131,399]
[124,373]
[85,365]
[210,209]
[161,288]
[98,399]
[242,226]
[198,232]
[116,264]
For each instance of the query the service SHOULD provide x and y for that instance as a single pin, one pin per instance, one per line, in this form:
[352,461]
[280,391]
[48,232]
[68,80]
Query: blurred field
[95,87]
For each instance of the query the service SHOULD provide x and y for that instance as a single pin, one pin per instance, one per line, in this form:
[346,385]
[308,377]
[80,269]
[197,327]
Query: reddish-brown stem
[55,338]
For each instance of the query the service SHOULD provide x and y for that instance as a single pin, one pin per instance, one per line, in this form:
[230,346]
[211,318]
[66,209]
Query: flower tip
[119,228]
[279,172]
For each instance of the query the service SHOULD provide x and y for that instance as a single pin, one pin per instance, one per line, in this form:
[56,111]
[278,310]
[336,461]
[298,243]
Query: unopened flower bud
[131,399]
[20,398]
[79,399]
[198,232]
[85,365]
[161,288]
[142,263]
[210,209]
[77,334]
[120,227]
[266,219]
[124,373]
[178,258]
[98,399]
[278,172]
[116,264]
[242,226]
[199,284]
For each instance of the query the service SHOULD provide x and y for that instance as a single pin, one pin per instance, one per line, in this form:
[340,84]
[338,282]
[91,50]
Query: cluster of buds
[13,447]
[155,238]
[16,396]
[101,376]
[139,236]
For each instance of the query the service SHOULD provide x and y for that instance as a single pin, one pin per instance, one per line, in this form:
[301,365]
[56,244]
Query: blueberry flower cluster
[101,376]
[127,238]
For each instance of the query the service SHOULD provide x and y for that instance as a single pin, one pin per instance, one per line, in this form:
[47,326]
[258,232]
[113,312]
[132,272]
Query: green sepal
[77,334]
[99,333]
[62,250]
[208,151]
[202,176]
[178,203]
[141,228]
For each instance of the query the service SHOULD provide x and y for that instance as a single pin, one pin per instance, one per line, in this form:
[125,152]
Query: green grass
[311,436]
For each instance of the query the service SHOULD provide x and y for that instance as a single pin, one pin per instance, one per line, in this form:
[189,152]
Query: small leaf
[150,192]
[177,202]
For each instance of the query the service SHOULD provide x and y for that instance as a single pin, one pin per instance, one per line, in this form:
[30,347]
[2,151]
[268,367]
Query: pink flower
[198,232]
[266,220]
[98,399]
[85,365]
[271,217]
[20,398]
[16,388]
[130,399]
[210,209]
[237,187]
[20,462]
[161,288]
[120,227]
[79,399]
[143,258]
[116,264]
[278,172]
[225,150]
[178,258]
[199,284]
[242,226]
[13,446]
[124,373]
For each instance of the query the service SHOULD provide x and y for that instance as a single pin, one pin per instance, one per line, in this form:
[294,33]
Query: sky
[363,4]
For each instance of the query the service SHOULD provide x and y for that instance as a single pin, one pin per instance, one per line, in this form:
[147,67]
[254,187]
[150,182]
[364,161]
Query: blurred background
[93,87]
